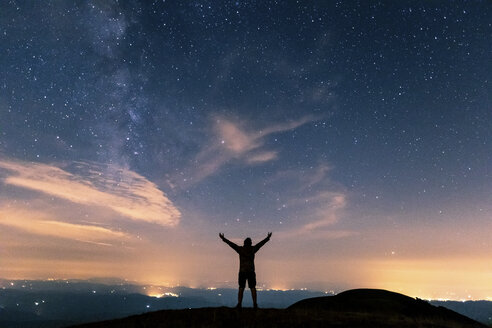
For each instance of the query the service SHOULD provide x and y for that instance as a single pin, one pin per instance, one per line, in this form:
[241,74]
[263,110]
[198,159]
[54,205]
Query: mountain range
[60,303]
[360,308]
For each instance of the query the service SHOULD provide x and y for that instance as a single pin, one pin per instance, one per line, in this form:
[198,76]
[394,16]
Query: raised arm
[228,242]
[263,242]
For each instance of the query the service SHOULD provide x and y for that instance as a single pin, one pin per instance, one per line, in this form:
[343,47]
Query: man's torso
[246,259]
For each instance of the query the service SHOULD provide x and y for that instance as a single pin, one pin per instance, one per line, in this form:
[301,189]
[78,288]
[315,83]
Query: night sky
[358,132]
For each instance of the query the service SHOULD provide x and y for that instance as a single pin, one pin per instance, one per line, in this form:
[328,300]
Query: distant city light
[160,295]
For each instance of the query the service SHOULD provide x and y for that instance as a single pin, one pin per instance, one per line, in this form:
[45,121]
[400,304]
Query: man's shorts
[249,276]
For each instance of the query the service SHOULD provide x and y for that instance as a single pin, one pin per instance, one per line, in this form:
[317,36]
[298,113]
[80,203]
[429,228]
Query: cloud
[326,209]
[41,223]
[317,202]
[319,213]
[304,179]
[234,141]
[238,140]
[121,190]
[261,157]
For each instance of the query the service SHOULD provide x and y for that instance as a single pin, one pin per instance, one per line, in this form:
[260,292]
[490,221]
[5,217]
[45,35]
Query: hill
[354,309]
[60,303]
[477,310]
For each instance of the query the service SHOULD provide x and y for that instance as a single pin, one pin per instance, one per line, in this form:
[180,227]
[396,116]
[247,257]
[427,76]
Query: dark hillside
[355,309]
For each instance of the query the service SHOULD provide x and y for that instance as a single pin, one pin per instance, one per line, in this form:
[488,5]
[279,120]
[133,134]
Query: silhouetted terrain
[59,303]
[355,308]
[477,310]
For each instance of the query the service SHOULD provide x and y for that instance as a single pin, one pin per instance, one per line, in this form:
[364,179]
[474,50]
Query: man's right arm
[228,242]
[263,242]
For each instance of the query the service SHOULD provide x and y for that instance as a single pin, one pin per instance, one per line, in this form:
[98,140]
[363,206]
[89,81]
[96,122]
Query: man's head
[248,242]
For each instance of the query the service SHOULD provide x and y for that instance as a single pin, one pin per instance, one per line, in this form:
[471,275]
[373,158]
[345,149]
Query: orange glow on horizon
[453,279]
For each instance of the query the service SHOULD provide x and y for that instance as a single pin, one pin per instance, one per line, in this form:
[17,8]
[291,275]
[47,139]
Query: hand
[221,235]
[269,235]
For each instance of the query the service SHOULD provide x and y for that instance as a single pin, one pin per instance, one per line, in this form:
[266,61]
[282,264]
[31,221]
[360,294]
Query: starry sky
[358,132]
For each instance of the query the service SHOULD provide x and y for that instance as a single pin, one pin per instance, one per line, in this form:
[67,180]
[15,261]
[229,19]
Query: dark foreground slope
[354,309]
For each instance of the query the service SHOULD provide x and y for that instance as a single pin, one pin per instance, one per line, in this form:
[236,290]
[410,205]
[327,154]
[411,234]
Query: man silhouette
[246,266]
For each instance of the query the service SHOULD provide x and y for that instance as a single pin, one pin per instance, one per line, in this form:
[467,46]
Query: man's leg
[253,295]
[240,297]
[242,283]
[252,286]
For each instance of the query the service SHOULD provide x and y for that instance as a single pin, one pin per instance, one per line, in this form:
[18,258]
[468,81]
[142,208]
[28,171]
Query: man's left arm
[228,242]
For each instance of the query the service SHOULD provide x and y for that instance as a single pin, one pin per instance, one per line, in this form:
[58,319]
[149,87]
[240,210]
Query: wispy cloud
[239,140]
[121,190]
[235,140]
[326,207]
[319,204]
[320,215]
[261,157]
[303,179]
[43,223]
